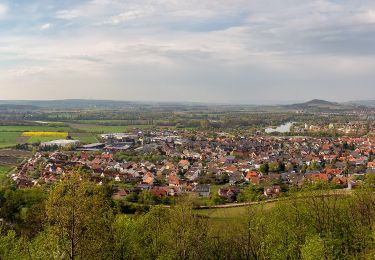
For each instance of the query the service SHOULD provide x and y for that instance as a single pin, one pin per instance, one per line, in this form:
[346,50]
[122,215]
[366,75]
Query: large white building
[61,143]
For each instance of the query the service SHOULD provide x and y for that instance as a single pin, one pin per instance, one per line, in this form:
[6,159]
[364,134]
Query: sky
[233,51]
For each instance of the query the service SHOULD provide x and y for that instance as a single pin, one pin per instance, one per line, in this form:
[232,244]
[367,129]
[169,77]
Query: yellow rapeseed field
[46,134]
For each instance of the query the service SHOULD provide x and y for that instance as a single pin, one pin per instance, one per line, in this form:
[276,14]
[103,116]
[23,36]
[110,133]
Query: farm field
[33,128]
[3,174]
[9,138]
[110,122]
[10,135]
[5,169]
[46,134]
[12,157]
[40,139]
[35,137]
[85,138]
[100,129]
[222,215]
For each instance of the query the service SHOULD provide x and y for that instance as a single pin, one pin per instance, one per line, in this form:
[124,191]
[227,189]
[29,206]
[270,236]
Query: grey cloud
[193,50]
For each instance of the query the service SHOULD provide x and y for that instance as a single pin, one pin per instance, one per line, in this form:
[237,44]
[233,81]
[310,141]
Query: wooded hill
[76,219]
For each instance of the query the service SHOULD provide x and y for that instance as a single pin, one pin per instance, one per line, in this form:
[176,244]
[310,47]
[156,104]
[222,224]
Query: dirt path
[11,157]
[342,192]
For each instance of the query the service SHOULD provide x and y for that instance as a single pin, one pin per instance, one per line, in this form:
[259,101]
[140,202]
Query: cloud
[26,71]
[3,10]
[45,26]
[125,16]
[222,50]
[369,16]
[68,14]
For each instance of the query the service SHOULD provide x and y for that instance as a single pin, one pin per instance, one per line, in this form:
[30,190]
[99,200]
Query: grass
[39,139]
[9,138]
[46,134]
[5,169]
[10,135]
[100,129]
[36,137]
[33,128]
[223,215]
[106,122]
[207,200]
[13,134]
[85,138]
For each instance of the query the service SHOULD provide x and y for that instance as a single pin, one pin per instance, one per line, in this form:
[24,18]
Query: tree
[150,233]
[146,197]
[313,166]
[274,167]
[204,124]
[185,236]
[23,208]
[79,214]
[264,168]
[217,199]
[132,197]
[313,248]
[250,193]
[10,246]
[124,229]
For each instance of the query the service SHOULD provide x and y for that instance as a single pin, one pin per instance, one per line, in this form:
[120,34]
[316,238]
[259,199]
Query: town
[192,130]
[218,167]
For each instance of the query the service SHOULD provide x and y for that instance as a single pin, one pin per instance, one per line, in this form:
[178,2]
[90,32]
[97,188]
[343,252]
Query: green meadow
[5,169]
[9,138]
[102,129]
[34,128]
[10,135]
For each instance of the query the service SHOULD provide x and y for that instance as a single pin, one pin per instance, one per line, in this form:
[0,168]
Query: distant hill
[367,103]
[68,103]
[16,107]
[312,105]
[318,104]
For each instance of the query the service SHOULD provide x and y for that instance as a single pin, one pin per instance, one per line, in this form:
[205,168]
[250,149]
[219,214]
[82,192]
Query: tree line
[77,219]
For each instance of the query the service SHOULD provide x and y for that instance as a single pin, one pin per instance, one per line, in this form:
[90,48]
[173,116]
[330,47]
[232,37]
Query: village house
[203,190]
[229,193]
[272,191]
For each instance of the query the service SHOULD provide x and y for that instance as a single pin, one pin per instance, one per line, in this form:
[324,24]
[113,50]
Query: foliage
[46,134]
[313,248]
[250,193]
[79,215]
[264,168]
[83,223]
[4,169]
[8,138]
[24,208]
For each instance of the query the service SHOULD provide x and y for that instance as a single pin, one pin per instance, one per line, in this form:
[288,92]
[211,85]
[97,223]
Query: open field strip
[9,138]
[102,129]
[84,138]
[11,135]
[35,137]
[33,128]
[233,211]
[46,134]
[5,169]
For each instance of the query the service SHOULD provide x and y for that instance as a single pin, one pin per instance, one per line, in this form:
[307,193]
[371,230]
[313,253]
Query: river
[285,128]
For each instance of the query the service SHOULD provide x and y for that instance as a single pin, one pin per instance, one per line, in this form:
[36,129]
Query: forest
[76,219]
